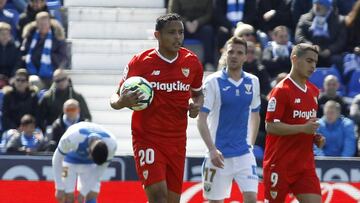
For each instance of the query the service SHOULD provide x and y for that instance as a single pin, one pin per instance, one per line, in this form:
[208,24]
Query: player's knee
[249,197]
[69,197]
[91,196]
[157,193]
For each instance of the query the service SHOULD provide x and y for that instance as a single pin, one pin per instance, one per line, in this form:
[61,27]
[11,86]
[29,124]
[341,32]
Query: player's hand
[216,157]
[311,126]
[131,98]
[319,140]
[193,110]
[60,196]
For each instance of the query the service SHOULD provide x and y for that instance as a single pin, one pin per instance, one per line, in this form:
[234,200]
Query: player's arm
[197,102]
[119,100]
[215,155]
[57,161]
[255,108]
[125,99]
[284,129]
[254,126]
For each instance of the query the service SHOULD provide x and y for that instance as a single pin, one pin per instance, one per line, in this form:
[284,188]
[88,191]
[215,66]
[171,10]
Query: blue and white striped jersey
[229,104]
[74,144]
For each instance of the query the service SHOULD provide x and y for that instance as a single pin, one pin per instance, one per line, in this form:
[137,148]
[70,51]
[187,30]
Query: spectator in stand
[44,47]
[352,22]
[51,105]
[355,116]
[276,55]
[28,139]
[272,13]
[300,7]
[252,65]
[8,17]
[228,13]
[9,53]
[70,116]
[34,7]
[339,132]
[331,86]
[322,26]
[19,99]
[19,5]
[352,59]
[197,19]
[249,33]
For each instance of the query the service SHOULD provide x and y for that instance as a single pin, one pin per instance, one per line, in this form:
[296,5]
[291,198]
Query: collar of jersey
[164,58]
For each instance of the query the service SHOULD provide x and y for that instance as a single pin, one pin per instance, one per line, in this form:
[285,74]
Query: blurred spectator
[322,26]
[19,99]
[9,54]
[28,139]
[273,13]
[51,105]
[352,22]
[331,86]
[197,17]
[339,132]
[8,17]
[355,109]
[276,56]
[227,13]
[249,33]
[70,116]
[351,63]
[252,65]
[44,47]
[33,8]
[300,7]
[355,116]
[19,5]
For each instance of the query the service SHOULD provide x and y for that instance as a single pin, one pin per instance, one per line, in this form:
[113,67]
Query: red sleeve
[277,104]
[129,70]
[197,82]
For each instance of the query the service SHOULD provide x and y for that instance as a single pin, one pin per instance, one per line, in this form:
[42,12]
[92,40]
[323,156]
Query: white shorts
[84,174]
[217,182]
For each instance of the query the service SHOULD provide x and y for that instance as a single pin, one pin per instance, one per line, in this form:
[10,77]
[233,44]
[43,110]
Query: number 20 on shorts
[147,156]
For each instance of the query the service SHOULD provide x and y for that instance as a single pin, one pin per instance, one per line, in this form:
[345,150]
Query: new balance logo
[297,101]
[155,72]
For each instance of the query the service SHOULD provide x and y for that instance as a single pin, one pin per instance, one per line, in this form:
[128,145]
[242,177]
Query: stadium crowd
[38,100]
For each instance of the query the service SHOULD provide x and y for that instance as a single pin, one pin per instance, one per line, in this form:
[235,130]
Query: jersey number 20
[147,156]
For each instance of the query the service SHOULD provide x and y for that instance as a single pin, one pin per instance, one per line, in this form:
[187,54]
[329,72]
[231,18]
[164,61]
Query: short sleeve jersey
[291,104]
[165,120]
[229,104]
[74,144]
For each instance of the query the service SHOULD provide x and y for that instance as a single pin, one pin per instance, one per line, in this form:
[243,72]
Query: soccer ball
[140,83]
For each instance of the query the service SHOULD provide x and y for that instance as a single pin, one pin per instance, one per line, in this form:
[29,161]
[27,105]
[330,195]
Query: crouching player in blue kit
[83,154]
[231,104]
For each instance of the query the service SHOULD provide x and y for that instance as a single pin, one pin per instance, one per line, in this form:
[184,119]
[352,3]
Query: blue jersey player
[83,154]
[228,123]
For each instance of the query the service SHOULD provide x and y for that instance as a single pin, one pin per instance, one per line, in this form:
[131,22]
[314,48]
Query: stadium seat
[54,7]
[317,78]
[353,87]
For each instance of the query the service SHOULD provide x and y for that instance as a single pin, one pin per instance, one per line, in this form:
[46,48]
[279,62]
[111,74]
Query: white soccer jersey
[229,104]
[74,143]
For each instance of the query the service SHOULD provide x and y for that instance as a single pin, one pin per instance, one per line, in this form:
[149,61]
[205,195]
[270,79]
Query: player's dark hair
[237,40]
[300,49]
[99,152]
[162,20]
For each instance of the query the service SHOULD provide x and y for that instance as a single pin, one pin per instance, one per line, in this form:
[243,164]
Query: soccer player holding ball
[159,131]
[291,125]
